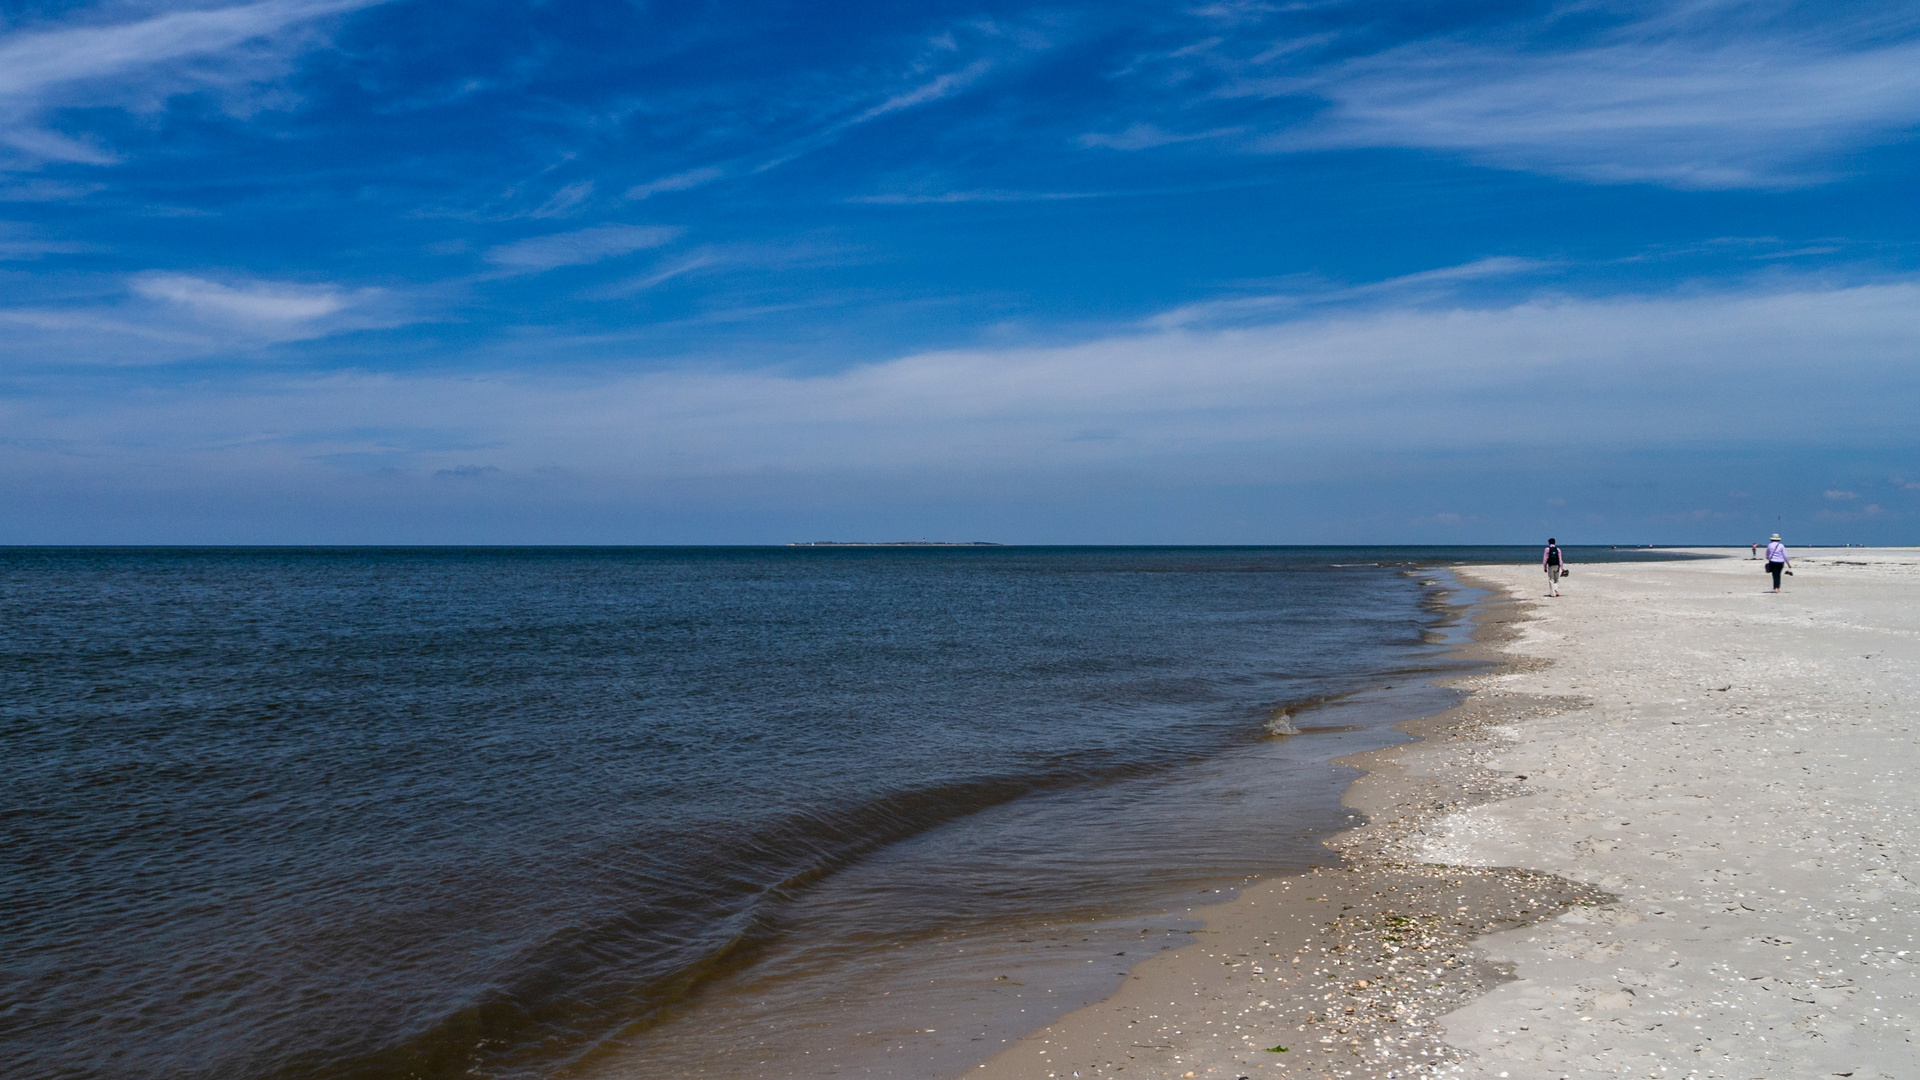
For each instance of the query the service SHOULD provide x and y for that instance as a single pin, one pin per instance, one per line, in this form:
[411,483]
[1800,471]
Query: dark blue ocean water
[433,812]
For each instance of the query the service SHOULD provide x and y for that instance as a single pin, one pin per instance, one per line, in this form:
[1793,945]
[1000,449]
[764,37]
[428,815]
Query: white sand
[1743,776]
[1733,765]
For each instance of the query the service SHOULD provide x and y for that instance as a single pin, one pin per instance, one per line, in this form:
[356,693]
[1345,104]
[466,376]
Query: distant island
[894,543]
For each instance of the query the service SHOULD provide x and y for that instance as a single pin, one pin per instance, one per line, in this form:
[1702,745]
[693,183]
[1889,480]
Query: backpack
[1553,554]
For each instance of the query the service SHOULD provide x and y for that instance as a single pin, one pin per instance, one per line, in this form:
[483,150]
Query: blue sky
[350,271]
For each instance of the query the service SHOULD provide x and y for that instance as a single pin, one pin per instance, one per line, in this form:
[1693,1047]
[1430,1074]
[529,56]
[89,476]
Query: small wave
[1282,719]
[1280,722]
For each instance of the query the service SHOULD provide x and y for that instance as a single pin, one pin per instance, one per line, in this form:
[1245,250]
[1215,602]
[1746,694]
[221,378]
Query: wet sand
[1666,836]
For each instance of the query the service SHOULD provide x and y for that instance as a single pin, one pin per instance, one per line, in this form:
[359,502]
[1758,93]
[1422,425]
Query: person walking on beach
[1777,559]
[1554,564]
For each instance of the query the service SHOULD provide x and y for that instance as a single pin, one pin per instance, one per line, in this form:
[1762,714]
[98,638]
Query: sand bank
[1681,808]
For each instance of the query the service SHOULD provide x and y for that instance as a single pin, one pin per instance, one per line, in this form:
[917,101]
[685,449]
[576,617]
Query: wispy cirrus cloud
[256,302]
[24,250]
[43,191]
[1404,289]
[137,64]
[164,317]
[692,263]
[565,201]
[921,198]
[1691,96]
[710,258]
[934,89]
[680,181]
[580,247]
[1149,137]
[835,121]
[24,244]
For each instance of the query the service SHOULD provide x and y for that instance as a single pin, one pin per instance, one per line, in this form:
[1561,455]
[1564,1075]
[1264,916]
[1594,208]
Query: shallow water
[540,812]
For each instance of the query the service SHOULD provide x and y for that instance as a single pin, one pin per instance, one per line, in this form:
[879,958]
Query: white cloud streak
[919,198]
[255,302]
[680,181]
[169,317]
[40,191]
[1405,288]
[1709,106]
[1149,137]
[665,272]
[33,62]
[22,245]
[565,201]
[930,91]
[135,62]
[580,247]
[933,90]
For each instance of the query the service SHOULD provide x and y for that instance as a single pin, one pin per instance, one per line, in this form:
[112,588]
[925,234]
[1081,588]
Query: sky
[351,271]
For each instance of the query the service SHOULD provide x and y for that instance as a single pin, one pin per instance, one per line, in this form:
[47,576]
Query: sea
[384,813]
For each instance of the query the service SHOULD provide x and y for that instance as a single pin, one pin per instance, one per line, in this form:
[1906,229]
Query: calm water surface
[368,813]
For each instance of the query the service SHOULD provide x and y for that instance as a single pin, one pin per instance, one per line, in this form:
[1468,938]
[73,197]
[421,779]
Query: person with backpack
[1777,559]
[1555,564]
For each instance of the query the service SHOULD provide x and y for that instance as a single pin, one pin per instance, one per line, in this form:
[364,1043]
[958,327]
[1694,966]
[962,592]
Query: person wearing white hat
[1777,559]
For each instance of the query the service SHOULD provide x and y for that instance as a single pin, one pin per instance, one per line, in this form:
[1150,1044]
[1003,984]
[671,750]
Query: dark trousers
[1774,568]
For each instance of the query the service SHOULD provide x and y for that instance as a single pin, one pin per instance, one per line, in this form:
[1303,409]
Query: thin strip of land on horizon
[894,543]
[1670,833]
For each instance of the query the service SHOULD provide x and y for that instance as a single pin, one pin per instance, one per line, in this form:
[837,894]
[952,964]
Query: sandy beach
[1667,835]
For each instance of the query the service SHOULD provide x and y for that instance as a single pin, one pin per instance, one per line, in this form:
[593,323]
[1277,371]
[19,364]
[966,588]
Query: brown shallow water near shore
[1346,970]
[845,993]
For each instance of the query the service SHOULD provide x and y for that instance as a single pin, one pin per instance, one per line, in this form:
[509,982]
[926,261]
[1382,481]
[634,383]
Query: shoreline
[1579,871]
[1349,967]
[941,1003]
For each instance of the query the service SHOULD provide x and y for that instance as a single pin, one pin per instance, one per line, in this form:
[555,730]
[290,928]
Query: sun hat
[1775,536]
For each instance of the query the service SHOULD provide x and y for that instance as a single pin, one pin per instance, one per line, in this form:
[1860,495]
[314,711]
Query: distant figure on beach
[1756,550]
[1554,564]
[1777,559]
